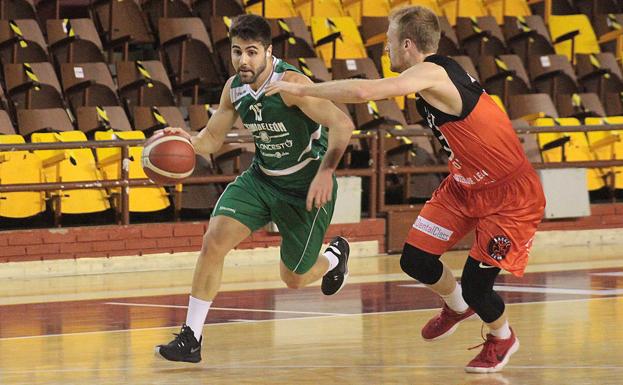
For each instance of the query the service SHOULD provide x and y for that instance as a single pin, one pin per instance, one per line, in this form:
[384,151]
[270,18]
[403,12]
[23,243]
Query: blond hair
[418,24]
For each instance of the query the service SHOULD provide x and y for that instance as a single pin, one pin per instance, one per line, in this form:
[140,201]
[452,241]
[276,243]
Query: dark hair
[251,27]
[420,25]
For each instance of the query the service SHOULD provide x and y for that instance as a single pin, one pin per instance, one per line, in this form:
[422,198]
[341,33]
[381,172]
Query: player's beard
[254,76]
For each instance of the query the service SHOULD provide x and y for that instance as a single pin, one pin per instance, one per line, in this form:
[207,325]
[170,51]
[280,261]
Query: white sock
[503,332]
[331,256]
[196,315]
[455,300]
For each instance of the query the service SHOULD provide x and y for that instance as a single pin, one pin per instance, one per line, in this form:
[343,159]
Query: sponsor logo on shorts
[498,247]
[227,209]
[432,229]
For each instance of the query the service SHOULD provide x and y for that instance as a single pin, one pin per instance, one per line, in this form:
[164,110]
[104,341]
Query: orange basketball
[168,158]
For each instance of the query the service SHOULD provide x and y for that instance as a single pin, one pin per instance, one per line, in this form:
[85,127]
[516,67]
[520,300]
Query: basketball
[168,158]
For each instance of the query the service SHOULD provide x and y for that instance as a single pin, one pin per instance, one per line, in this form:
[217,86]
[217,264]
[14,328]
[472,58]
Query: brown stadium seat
[43,120]
[354,68]
[291,39]
[91,119]
[156,9]
[504,75]
[592,8]
[17,9]
[531,106]
[21,41]
[6,125]
[480,36]
[609,29]
[205,9]
[526,36]
[33,85]
[88,84]
[313,67]
[552,74]
[74,41]
[219,32]
[199,199]
[599,73]
[198,116]
[128,22]
[559,7]
[144,83]
[197,67]
[468,65]
[374,35]
[149,119]
[579,106]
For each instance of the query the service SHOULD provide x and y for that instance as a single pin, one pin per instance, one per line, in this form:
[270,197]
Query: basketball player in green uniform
[291,180]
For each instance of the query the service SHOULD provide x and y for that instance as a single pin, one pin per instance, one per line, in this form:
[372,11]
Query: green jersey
[289,146]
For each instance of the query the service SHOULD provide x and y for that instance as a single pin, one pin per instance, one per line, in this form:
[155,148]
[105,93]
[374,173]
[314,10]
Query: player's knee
[293,280]
[420,265]
[213,244]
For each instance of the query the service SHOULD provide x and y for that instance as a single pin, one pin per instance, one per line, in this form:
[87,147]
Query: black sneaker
[334,280]
[184,347]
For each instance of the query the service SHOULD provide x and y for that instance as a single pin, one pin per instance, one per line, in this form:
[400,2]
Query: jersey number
[257,109]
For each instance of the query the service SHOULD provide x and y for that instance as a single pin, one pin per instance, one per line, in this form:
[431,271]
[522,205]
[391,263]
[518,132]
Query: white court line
[293,319]
[222,308]
[610,274]
[238,367]
[546,290]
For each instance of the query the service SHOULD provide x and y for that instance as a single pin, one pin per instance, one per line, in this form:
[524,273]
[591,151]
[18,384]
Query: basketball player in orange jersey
[492,187]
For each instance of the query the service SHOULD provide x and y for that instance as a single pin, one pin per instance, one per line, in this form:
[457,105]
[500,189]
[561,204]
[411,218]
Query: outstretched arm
[417,78]
[340,130]
[212,136]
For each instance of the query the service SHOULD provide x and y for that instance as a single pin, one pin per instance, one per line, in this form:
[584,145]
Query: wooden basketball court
[102,329]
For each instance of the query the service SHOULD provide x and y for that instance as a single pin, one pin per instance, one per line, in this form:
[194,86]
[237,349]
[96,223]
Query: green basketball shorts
[253,203]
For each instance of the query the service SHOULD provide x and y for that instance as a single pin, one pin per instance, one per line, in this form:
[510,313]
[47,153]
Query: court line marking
[292,319]
[609,274]
[224,308]
[235,367]
[544,290]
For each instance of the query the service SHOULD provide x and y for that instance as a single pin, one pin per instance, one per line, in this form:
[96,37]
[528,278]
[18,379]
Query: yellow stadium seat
[585,42]
[318,8]
[498,101]
[501,8]
[371,8]
[608,145]
[20,167]
[466,8]
[142,199]
[388,73]
[576,148]
[275,9]
[431,4]
[339,34]
[72,166]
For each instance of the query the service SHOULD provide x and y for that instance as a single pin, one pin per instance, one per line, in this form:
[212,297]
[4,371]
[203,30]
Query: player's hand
[295,89]
[176,131]
[320,189]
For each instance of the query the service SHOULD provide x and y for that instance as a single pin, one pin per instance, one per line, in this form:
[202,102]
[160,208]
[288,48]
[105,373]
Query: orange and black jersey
[482,146]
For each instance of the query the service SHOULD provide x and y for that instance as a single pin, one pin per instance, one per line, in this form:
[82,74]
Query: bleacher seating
[125,68]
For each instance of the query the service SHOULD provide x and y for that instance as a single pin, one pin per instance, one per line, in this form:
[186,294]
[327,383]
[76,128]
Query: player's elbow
[364,94]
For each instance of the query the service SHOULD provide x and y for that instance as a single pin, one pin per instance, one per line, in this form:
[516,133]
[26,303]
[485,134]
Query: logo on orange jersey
[498,247]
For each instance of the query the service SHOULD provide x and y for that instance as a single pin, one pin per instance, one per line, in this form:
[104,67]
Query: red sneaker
[494,355]
[444,323]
